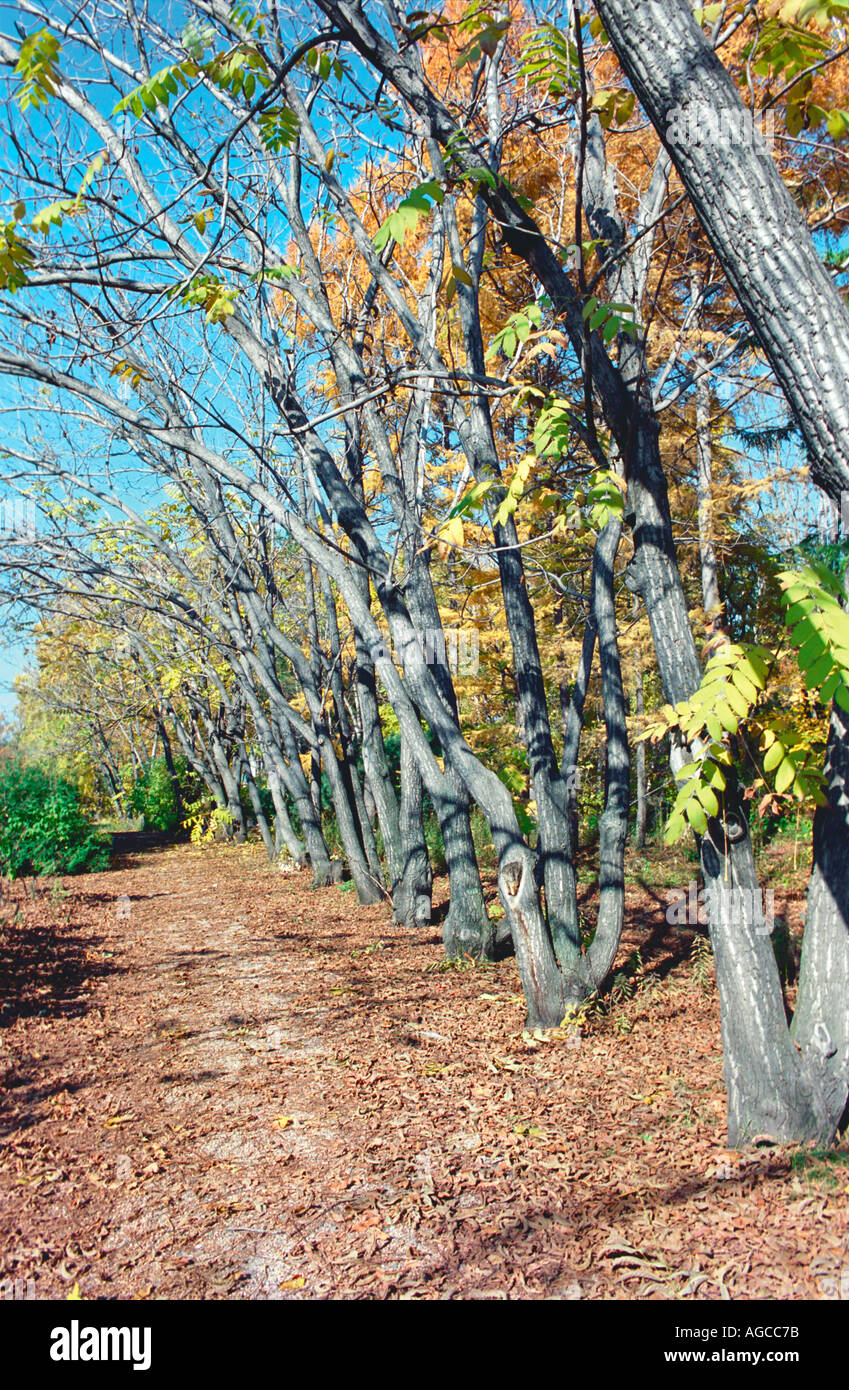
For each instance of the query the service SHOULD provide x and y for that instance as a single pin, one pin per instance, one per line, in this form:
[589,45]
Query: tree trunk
[466,929]
[411,900]
[378,776]
[172,771]
[369,889]
[821,1021]
[799,317]
[574,720]
[704,455]
[756,229]
[640,751]
[293,778]
[769,1093]
[613,825]
[231,789]
[256,802]
[284,831]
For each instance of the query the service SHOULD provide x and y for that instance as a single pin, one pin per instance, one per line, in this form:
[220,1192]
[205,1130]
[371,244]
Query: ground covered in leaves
[218,1083]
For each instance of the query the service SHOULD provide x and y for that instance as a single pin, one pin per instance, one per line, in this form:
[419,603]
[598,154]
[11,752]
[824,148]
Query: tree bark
[412,900]
[640,751]
[755,227]
[821,1021]
[613,825]
[704,454]
[256,803]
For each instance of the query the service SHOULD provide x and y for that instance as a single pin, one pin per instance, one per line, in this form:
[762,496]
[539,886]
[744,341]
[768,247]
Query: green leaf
[747,689]
[696,817]
[773,756]
[36,68]
[713,725]
[810,650]
[53,215]
[715,776]
[408,214]
[473,498]
[726,717]
[755,668]
[738,702]
[816,674]
[829,686]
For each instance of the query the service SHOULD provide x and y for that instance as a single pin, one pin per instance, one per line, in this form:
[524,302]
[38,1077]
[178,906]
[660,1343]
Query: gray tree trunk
[256,803]
[802,324]
[755,227]
[412,897]
[704,455]
[640,751]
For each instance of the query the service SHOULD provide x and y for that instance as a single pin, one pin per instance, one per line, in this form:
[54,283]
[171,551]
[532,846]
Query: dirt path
[218,1083]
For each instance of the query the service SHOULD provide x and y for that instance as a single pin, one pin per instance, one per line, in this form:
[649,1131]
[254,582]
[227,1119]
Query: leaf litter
[254,1089]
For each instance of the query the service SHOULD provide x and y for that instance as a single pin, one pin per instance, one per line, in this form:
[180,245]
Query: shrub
[207,822]
[42,827]
[150,793]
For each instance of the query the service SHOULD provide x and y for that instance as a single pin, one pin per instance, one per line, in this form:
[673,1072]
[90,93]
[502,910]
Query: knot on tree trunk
[511,877]
[634,575]
[729,829]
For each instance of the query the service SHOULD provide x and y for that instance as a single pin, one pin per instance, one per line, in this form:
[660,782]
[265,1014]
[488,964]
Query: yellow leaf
[293,1283]
[452,534]
[75,1295]
[282,1121]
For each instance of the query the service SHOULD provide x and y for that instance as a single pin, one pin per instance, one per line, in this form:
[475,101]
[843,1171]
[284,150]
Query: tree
[261,391]
[800,319]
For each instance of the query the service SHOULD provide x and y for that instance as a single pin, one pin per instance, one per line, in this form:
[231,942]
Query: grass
[825,1167]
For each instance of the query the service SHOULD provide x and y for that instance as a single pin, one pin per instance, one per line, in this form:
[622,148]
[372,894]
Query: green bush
[433,840]
[42,827]
[150,793]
